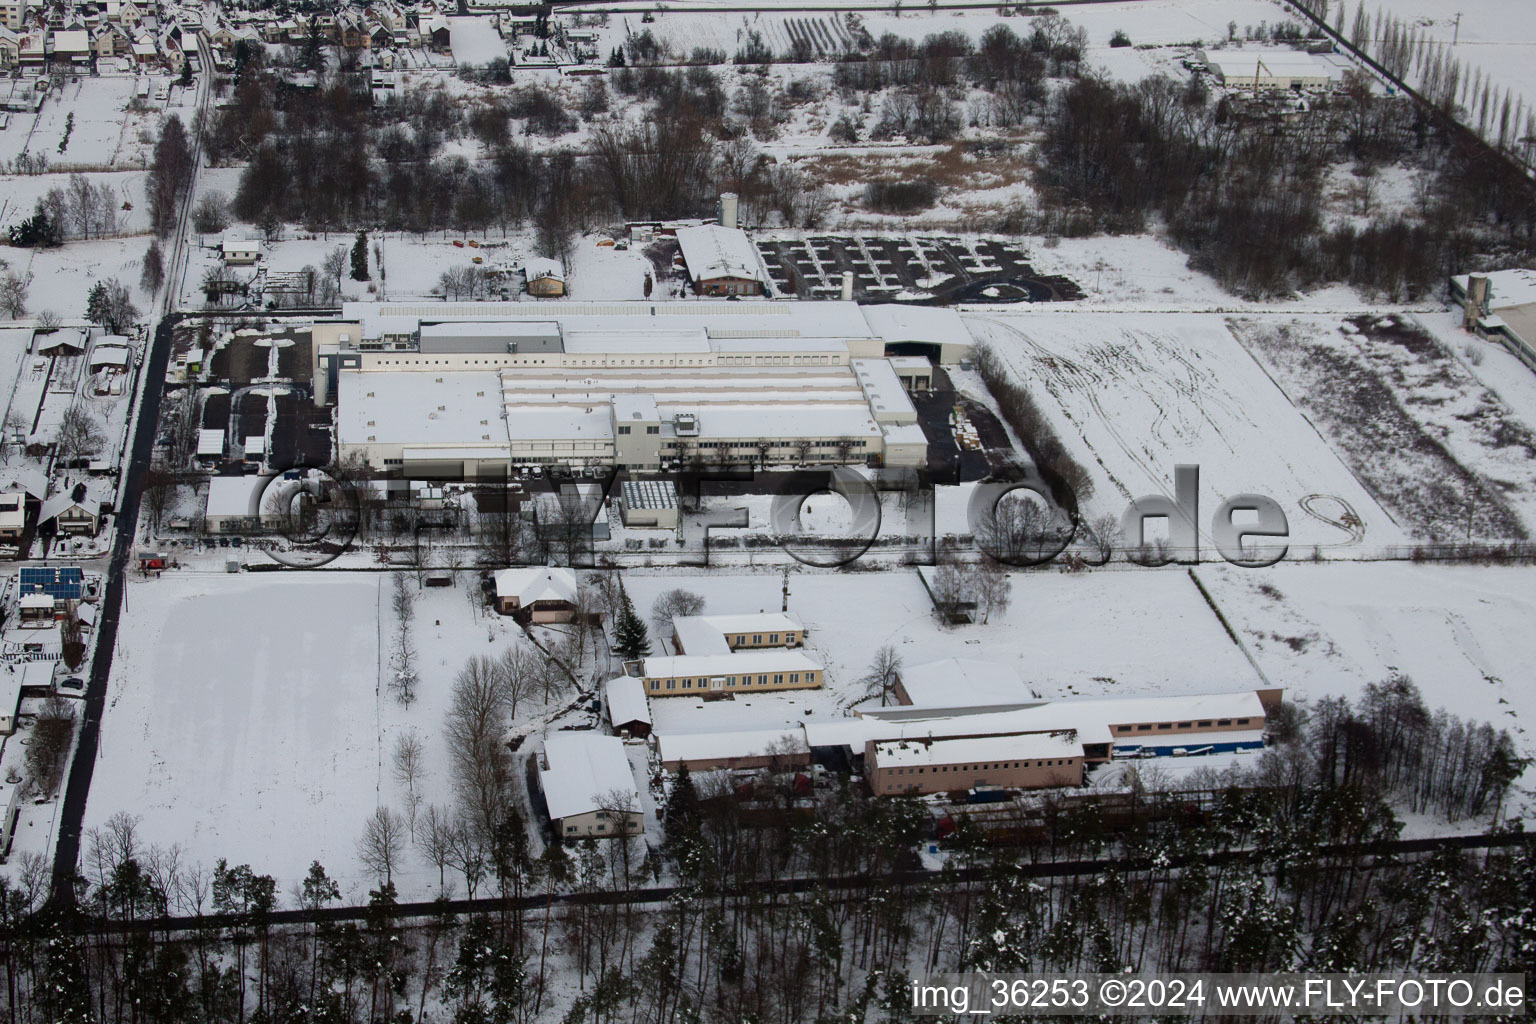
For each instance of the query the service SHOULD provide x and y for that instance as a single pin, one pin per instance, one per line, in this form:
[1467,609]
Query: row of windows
[1206,724]
[757,638]
[753,446]
[687,683]
[994,766]
[648,430]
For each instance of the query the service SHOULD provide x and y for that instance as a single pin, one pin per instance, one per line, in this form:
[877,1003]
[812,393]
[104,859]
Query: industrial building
[1501,305]
[1266,69]
[482,388]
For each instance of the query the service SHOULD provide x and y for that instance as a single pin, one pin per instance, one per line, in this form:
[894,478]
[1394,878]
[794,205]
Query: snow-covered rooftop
[715,746]
[626,701]
[233,495]
[713,251]
[587,772]
[963,682]
[536,583]
[420,408]
[772,659]
[1506,288]
[974,749]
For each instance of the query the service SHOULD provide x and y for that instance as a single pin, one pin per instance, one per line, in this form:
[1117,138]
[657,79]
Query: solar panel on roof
[59,582]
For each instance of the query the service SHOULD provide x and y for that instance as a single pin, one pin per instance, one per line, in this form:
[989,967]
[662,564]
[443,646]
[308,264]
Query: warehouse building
[1267,69]
[478,389]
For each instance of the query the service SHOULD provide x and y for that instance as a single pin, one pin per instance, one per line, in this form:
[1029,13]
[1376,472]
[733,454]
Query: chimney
[847,286]
[728,209]
[1477,300]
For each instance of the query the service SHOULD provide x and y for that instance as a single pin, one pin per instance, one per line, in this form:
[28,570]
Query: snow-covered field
[1135,395]
[1462,633]
[62,277]
[474,41]
[1495,38]
[19,195]
[1442,451]
[248,707]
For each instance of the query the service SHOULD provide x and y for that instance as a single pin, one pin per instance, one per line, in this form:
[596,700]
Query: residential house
[589,787]
[13,14]
[74,511]
[537,594]
[10,48]
[545,277]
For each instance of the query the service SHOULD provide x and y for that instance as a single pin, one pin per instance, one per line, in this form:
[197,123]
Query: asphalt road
[77,788]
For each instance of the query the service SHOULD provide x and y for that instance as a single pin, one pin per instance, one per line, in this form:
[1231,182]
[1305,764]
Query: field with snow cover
[256,706]
[1134,395]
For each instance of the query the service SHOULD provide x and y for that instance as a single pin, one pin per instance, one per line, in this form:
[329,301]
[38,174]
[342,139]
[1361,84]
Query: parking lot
[909,268]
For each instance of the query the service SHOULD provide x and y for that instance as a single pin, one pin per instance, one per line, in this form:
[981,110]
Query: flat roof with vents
[649,494]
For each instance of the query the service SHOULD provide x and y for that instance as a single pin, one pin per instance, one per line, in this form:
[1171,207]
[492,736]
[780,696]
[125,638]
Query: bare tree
[950,591]
[673,604]
[435,839]
[403,602]
[335,265]
[13,294]
[521,672]
[383,843]
[480,761]
[883,676]
[993,587]
[406,761]
[159,493]
[78,433]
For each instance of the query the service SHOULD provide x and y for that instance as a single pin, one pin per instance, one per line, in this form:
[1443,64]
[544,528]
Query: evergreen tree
[681,816]
[360,257]
[631,639]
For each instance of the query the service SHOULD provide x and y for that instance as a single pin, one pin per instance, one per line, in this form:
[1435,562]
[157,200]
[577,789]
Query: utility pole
[1456,36]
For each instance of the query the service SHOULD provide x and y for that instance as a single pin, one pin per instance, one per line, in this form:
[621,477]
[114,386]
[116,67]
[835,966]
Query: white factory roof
[894,322]
[878,380]
[1505,287]
[714,746]
[491,329]
[627,338]
[713,251]
[559,422]
[787,420]
[231,495]
[585,769]
[772,659]
[630,407]
[977,749]
[536,583]
[420,407]
[1244,63]
[963,682]
[721,317]
[626,701]
[903,433]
